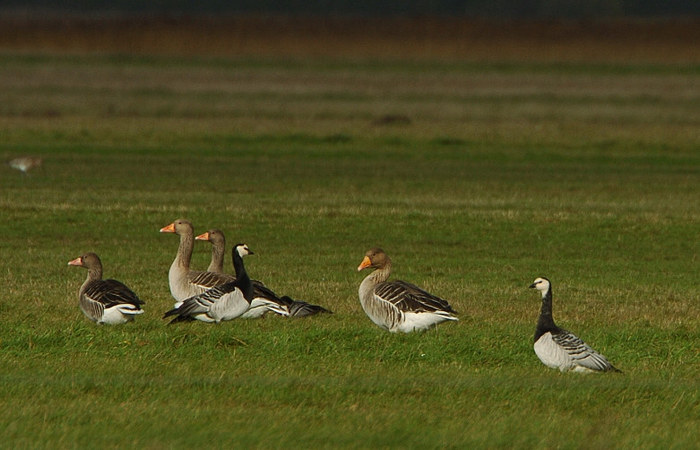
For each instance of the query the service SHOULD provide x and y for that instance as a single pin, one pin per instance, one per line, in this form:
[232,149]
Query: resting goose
[218,247]
[299,308]
[225,302]
[105,301]
[398,305]
[561,349]
[265,299]
[185,283]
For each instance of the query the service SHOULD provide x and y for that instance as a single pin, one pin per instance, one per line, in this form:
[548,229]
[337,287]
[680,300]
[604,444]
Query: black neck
[545,322]
[242,278]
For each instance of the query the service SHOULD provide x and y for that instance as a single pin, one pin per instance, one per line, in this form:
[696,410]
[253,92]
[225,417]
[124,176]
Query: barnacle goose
[561,349]
[224,302]
[265,299]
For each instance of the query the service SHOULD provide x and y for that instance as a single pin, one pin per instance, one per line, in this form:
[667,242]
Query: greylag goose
[561,349]
[185,283]
[25,163]
[218,247]
[105,301]
[265,299]
[225,302]
[398,305]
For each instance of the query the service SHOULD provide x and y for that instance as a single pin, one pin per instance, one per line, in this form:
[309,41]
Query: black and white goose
[299,308]
[398,305]
[224,302]
[561,349]
[184,282]
[265,299]
[105,301]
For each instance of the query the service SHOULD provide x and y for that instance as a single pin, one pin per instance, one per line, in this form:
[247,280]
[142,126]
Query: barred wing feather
[202,303]
[110,293]
[581,353]
[408,297]
[208,280]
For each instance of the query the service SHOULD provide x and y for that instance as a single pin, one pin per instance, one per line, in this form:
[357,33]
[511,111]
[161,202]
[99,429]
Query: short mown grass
[494,176]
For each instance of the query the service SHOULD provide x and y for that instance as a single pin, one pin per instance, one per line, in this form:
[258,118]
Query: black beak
[533,286]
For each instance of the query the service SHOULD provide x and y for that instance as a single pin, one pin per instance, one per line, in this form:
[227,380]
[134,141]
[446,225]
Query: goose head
[214,236]
[374,258]
[242,250]
[180,226]
[542,284]
[88,260]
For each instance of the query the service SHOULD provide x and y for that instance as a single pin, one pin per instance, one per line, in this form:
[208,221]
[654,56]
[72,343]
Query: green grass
[586,174]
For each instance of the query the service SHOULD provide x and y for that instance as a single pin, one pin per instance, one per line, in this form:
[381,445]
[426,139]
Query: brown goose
[185,283]
[218,246]
[265,299]
[25,163]
[105,301]
[398,305]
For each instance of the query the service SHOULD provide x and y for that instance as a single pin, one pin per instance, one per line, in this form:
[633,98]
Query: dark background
[507,9]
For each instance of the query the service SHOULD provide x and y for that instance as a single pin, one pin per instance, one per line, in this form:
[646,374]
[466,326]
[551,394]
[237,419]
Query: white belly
[551,354]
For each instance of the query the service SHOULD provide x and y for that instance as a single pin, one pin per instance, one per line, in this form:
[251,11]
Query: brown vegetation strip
[674,41]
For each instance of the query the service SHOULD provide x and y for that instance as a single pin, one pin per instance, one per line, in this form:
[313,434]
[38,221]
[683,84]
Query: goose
[561,349]
[224,302]
[299,308]
[398,305]
[185,283]
[265,299]
[105,301]
[218,246]
[25,163]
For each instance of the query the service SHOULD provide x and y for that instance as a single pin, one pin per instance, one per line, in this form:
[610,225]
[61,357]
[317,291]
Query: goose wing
[262,291]
[408,297]
[110,293]
[581,353]
[298,308]
[208,280]
[202,303]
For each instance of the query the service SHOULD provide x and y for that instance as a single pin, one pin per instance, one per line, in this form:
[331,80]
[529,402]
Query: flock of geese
[215,296]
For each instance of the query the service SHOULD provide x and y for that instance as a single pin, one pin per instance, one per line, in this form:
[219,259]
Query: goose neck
[242,277]
[217,258]
[184,251]
[545,319]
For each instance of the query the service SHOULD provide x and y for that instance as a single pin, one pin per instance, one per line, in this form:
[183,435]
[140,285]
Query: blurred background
[539,30]
[512,9]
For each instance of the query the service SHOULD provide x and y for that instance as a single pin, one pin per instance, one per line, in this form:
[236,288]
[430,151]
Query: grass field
[475,177]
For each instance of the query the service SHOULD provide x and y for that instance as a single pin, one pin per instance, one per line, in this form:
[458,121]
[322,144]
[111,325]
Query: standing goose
[265,299]
[224,302]
[561,349]
[185,283]
[105,301]
[398,305]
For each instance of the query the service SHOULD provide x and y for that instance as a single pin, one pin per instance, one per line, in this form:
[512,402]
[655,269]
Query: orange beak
[76,262]
[202,237]
[169,229]
[364,264]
